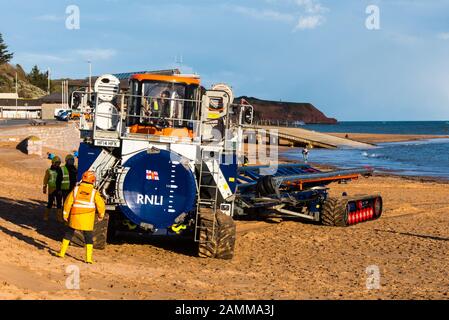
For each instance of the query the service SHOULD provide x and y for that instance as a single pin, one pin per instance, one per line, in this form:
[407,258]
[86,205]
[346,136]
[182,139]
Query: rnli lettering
[153,199]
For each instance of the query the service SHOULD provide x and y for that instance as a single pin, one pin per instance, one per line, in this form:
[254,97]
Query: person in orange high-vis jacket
[79,211]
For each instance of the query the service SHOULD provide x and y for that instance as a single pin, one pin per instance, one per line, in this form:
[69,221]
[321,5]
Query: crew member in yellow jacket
[79,211]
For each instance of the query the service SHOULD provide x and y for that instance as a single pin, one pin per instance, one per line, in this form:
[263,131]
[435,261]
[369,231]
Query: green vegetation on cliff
[29,86]
[25,88]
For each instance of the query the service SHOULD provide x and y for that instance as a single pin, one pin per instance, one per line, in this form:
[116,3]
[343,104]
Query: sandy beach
[287,260]
[311,164]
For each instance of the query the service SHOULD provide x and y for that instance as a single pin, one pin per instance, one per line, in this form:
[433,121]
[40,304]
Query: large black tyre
[216,241]
[266,186]
[378,207]
[335,212]
[100,234]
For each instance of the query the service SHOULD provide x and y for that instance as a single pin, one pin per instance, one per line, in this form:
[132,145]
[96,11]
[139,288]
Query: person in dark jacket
[52,186]
[70,181]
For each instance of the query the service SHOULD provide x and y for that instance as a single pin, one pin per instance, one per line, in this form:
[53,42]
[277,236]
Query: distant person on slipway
[305,154]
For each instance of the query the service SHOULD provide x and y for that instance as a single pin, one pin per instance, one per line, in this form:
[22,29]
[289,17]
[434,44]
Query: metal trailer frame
[288,190]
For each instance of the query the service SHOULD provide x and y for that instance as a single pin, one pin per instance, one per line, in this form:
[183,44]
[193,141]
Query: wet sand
[380,138]
[289,260]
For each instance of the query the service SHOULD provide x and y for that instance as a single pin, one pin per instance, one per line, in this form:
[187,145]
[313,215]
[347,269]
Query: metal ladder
[213,200]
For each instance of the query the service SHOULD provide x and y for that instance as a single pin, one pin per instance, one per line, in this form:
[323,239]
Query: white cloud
[64,57]
[305,14]
[311,6]
[37,58]
[311,13]
[314,18]
[49,17]
[97,54]
[309,22]
[443,36]
[403,38]
[263,14]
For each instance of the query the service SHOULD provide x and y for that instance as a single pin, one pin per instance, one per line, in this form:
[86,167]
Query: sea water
[415,158]
[389,127]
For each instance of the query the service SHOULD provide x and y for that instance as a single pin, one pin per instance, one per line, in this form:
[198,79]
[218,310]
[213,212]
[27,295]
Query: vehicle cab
[164,105]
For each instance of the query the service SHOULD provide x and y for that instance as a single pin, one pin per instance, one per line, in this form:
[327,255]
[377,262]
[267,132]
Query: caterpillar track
[348,211]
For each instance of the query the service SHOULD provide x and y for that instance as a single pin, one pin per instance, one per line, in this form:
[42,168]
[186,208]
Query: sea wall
[61,136]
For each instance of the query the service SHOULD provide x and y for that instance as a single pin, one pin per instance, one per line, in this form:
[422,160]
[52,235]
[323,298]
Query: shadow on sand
[423,236]
[177,244]
[29,215]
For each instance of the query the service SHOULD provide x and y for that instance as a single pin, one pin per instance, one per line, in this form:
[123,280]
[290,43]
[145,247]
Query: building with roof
[123,77]
[11,106]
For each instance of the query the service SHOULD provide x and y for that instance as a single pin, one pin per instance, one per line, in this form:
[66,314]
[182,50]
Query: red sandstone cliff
[290,112]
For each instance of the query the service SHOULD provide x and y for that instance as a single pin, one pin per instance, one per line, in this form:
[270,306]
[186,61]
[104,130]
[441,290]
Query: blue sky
[317,51]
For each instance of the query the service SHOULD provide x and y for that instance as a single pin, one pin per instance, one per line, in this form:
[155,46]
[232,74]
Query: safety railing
[133,116]
[128,117]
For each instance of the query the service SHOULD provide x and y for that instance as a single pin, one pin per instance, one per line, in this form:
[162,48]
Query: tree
[5,55]
[38,78]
